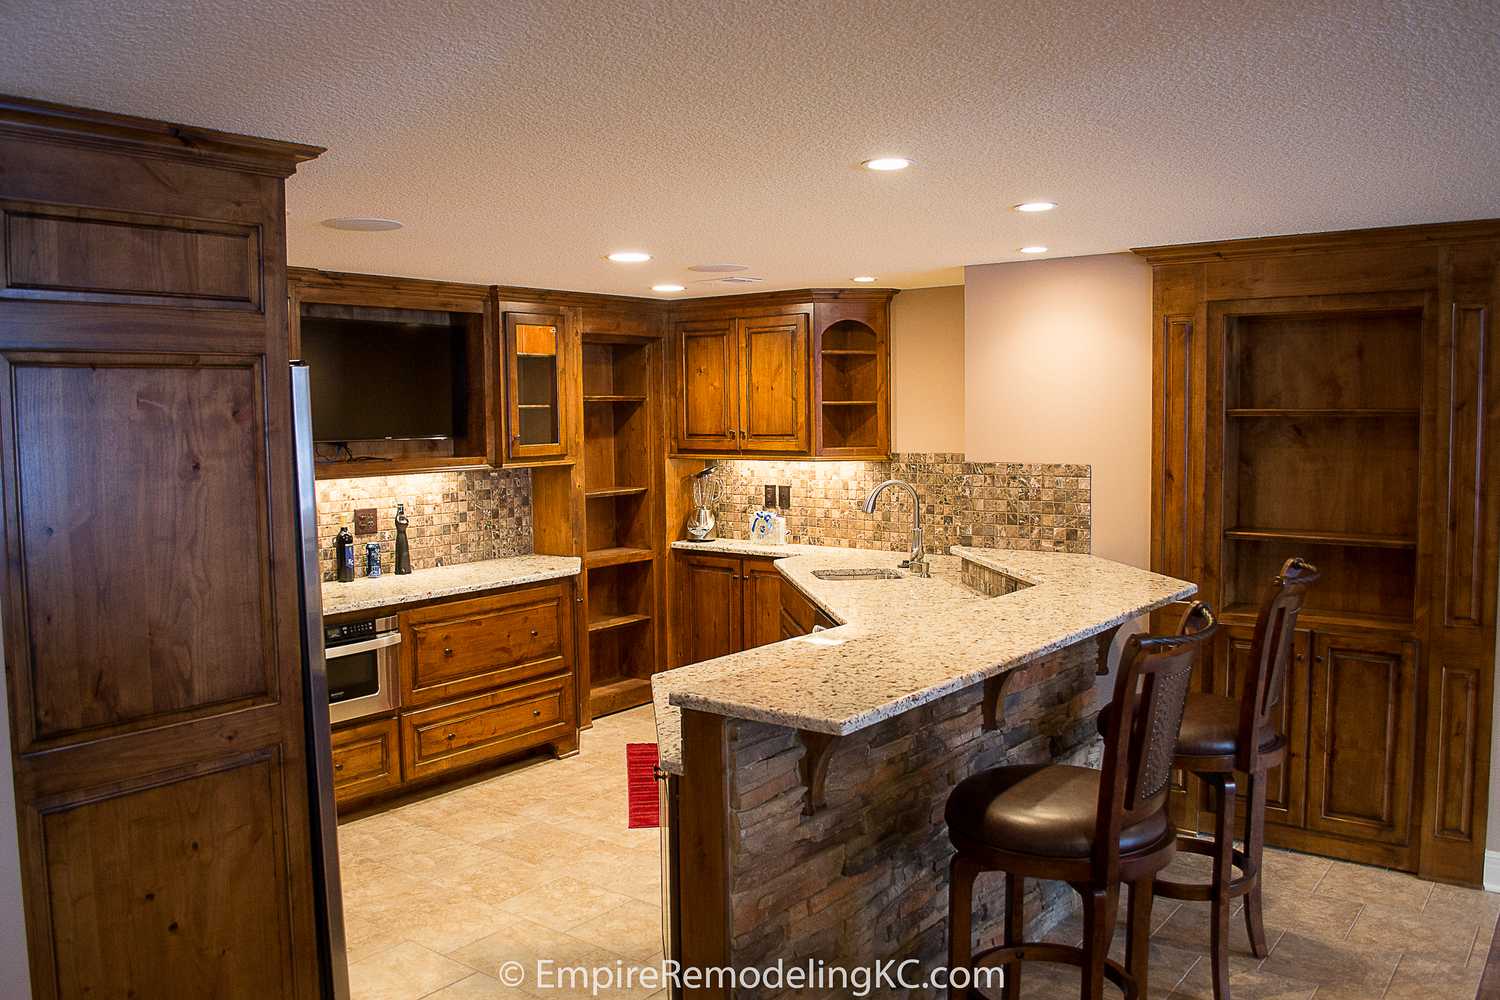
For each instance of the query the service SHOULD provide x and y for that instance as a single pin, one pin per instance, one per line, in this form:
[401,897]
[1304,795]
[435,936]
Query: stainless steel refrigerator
[329,889]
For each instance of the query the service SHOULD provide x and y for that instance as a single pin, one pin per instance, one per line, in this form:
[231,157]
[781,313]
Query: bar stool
[1093,829]
[1221,736]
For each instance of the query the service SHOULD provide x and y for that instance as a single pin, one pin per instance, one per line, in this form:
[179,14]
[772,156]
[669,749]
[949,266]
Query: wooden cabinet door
[711,605]
[366,760]
[1362,737]
[537,357]
[774,383]
[708,393]
[1286,786]
[762,602]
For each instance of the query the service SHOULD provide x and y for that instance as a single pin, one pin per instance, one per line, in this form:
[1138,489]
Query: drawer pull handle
[451,736]
[536,712]
[338,766]
[533,633]
[447,651]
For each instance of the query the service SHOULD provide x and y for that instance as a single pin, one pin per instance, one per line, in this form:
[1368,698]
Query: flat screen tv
[374,380]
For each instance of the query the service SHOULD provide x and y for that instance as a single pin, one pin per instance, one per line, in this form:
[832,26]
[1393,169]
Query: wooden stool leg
[1138,935]
[1015,927]
[1221,902]
[961,875]
[1096,928]
[1255,837]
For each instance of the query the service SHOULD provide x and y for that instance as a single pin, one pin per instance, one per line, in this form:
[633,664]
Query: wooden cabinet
[851,378]
[366,760]
[1325,396]
[742,384]
[481,679]
[727,604]
[1362,740]
[486,728]
[539,392]
[1286,785]
[762,602]
[152,643]
[710,606]
[461,647]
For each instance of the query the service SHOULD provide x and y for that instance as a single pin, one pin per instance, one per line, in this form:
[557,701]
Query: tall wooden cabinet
[151,598]
[1334,396]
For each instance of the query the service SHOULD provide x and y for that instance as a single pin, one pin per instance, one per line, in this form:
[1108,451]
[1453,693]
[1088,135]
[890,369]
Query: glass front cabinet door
[535,357]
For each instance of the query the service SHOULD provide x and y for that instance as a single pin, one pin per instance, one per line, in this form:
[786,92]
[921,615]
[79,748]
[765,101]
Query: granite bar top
[902,643]
[386,590]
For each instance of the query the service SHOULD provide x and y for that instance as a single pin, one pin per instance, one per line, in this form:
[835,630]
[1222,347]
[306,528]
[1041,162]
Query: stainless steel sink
[856,574]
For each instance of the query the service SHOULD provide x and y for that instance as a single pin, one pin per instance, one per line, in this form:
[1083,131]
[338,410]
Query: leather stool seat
[1047,810]
[1211,727]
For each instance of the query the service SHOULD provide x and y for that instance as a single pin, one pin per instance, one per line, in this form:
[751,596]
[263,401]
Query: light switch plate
[770,495]
[784,496]
[364,521]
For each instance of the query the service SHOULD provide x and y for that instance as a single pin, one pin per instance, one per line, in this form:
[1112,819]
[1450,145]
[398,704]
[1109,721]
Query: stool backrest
[1140,738]
[1271,656]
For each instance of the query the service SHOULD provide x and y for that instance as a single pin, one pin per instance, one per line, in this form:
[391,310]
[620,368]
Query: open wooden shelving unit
[622,535]
[851,359]
[1322,457]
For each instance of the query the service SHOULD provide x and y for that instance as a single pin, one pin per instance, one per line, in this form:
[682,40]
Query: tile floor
[536,862]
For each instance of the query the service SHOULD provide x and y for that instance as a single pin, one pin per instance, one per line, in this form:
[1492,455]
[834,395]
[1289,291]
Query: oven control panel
[342,635]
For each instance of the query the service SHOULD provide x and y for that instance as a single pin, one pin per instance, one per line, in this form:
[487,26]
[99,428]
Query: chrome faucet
[916,563]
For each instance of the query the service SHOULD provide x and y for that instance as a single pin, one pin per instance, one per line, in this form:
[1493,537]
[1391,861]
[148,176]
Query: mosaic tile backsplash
[1040,508]
[456,517]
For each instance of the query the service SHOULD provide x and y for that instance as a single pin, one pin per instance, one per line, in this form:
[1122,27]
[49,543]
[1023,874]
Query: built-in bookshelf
[622,498]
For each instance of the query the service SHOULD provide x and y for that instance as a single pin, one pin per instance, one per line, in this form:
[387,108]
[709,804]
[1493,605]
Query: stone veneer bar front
[889,711]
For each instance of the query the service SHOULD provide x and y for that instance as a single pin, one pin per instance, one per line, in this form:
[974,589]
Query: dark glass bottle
[343,547]
[403,548]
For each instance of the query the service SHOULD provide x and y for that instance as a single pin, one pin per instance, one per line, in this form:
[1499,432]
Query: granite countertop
[902,643]
[366,593]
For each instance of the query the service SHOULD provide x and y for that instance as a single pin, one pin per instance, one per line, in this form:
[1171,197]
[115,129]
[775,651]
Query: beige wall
[1057,368]
[927,370]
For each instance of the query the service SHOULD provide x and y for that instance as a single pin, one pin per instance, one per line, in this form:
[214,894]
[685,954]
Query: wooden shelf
[617,695]
[617,556]
[618,397]
[1322,538]
[1245,614]
[850,402]
[606,622]
[533,406]
[845,353]
[1336,412]
[615,491]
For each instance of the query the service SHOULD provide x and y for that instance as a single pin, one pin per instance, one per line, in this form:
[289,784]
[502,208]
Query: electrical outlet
[364,521]
[784,496]
[770,495]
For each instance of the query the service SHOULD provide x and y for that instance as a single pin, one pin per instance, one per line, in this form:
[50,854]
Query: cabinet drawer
[475,730]
[365,760]
[470,646]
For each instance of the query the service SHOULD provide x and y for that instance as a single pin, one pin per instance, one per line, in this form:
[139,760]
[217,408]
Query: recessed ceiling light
[361,224]
[630,256]
[887,163]
[666,288]
[719,268]
[1036,249]
[864,279]
[1035,206]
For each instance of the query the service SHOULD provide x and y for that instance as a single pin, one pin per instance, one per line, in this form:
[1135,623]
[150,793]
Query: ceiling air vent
[719,268]
[737,279]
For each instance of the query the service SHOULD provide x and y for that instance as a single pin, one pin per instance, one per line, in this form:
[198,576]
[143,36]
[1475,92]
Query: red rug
[640,771]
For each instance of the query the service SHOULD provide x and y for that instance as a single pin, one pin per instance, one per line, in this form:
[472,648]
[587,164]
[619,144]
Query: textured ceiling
[520,142]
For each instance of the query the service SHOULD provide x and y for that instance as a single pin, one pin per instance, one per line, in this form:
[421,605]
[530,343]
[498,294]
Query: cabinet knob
[447,650]
[451,736]
[338,766]
[533,633]
[536,712]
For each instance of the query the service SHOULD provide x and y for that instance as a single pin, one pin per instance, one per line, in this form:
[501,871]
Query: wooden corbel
[817,749]
[994,689]
[1105,640]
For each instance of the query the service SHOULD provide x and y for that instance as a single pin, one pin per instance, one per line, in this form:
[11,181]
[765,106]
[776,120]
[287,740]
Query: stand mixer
[701,523]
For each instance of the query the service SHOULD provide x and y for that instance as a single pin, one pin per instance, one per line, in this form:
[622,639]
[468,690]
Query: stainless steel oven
[361,658]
